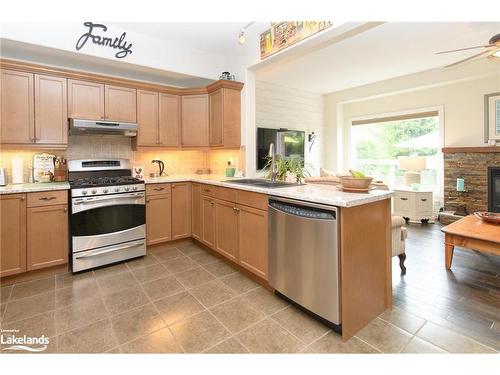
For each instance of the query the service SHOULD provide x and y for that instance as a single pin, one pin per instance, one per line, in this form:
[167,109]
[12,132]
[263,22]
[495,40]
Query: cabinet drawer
[157,189]
[403,202]
[424,203]
[208,190]
[251,199]
[47,198]
[226,194]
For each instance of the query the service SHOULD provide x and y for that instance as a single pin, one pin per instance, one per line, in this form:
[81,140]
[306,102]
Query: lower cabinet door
[208,221]
[181,210]
[226,232]
[253,241]
[47,237]
[13,234]
[196,211]
[158,218]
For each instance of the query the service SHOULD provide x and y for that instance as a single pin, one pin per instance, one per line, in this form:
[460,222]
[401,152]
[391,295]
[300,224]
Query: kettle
[3,179]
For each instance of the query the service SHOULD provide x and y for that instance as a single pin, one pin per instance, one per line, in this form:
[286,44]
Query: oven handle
[109,250]
[110,197]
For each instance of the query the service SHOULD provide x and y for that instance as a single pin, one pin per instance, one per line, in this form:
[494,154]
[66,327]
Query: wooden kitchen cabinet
[51,110]
[253,241]
[147,118]
[226,224]
[196,211]
[169,120]
[17,107]
[120,103]
[13,230]
[158,218]
[181,210]
[208,221]
[47,236]
[85,100]
[225,118]
[195,132]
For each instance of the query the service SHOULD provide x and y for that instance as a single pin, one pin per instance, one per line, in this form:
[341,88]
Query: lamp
[413,165]
[241,35]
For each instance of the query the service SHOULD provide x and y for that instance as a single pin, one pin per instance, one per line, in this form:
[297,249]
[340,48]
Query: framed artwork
[492,117]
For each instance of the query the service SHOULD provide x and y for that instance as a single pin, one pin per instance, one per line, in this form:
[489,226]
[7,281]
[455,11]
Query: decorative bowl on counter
[489,217]
[350,183]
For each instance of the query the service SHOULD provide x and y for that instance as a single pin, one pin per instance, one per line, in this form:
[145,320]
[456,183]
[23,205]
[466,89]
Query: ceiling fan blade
[468,58]
[464,49]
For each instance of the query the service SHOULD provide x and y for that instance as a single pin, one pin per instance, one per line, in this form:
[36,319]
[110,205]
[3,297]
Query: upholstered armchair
[399,235]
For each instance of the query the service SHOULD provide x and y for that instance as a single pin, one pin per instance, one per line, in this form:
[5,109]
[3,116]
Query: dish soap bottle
[230,169]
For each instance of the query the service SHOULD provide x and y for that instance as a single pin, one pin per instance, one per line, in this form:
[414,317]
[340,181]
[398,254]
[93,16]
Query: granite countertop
[324,194]
[33,187]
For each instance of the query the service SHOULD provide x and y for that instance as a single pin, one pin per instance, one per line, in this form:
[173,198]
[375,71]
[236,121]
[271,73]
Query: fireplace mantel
[484,149]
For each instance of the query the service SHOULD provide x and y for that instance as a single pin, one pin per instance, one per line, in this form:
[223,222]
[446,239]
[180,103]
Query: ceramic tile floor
[184,300]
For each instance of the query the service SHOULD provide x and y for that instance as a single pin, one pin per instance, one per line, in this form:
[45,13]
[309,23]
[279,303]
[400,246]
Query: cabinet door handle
[173,186]
[158,189]
[22,198]
[404,199]
[147,200]
[65,209]
[237,210]
[424,199]
[47,198]
[206,190]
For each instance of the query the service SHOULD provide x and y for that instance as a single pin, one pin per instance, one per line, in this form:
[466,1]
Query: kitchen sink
[260,182]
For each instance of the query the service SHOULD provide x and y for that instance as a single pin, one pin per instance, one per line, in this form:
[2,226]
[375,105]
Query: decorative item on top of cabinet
[47,229]
[158,213]
[51,110]
[181,210]
[13,238]
[17,107]
[225,118]
[194,115]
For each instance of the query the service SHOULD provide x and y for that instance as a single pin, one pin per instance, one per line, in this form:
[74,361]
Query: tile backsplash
[91,147]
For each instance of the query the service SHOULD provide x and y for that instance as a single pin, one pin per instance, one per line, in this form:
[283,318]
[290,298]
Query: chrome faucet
[272,155]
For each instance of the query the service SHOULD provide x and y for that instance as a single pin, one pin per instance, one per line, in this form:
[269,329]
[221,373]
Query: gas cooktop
[103,181]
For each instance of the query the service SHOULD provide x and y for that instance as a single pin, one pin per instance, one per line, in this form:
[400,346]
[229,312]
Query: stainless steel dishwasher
[304,256]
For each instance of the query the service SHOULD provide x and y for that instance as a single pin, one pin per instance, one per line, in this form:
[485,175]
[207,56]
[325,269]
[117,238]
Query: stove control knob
[85,192]
[134,187]
[94,191]
[104,190]
[127,188]
[117,189]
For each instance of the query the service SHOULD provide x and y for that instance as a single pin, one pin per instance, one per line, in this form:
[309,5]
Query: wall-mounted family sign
[92,34]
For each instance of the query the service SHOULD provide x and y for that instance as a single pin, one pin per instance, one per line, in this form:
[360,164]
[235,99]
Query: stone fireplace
[473,165]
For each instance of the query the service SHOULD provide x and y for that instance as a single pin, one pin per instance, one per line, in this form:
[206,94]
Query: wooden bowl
[489,217]
[349,182]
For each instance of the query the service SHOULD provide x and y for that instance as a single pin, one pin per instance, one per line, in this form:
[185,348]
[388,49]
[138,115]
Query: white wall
[282,107]
[459,91]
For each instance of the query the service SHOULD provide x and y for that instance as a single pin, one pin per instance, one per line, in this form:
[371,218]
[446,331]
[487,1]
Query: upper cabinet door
[121,104]
[17,107]
[231,109]
[147,118]
[85,100]
[51,110]
[195,120]
[170,122]
[216,118]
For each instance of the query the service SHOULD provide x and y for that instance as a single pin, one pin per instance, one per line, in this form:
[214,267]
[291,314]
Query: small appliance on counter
[3,179]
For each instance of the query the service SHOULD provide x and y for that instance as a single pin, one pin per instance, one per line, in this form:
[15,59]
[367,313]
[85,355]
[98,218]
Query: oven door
[106,220]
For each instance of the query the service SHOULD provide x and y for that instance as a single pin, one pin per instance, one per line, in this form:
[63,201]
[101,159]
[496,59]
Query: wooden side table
[414,206]
[472,233]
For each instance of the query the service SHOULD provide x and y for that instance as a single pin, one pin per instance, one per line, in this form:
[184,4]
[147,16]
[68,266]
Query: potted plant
[291,169]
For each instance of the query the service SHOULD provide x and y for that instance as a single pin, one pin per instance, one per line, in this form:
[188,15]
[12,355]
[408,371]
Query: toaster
[3,179]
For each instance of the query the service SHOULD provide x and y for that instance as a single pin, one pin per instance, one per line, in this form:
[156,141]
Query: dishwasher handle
[299,210]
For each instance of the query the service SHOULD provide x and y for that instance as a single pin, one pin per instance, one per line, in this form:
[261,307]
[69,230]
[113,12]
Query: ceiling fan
[492,50]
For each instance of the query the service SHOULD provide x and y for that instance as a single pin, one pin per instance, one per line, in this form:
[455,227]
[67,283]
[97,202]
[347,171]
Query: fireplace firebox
[494,189]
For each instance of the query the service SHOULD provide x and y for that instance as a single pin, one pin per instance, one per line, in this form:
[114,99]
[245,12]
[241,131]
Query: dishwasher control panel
[311,213]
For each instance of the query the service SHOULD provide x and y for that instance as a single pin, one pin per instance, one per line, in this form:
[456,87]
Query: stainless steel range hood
[91,127]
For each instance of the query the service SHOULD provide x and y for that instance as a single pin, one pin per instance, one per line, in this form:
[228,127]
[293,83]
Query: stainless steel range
[108,213]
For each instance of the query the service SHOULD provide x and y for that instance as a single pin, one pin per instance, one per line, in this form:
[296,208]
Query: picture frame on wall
[492,118]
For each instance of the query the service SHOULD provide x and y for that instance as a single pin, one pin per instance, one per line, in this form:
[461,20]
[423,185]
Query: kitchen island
[232,220]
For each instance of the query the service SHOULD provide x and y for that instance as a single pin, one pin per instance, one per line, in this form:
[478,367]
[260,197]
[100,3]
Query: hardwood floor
[465,299]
